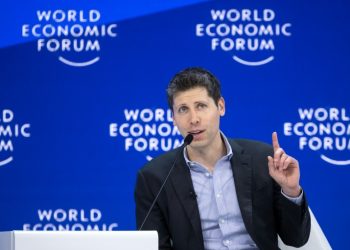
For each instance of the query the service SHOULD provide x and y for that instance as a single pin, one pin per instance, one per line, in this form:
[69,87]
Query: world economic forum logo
[147,131]
[248,35]
[323,130]
[72,219]
[74,35]
[10,130]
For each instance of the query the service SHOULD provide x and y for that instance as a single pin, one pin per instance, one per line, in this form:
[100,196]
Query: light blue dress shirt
[222,224]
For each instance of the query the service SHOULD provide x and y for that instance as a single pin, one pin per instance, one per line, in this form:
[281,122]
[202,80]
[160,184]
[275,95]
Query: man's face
[196,113]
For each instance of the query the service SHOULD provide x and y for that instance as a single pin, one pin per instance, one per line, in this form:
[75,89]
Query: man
[221,193]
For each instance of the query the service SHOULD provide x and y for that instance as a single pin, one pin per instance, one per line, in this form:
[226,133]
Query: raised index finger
[275,143]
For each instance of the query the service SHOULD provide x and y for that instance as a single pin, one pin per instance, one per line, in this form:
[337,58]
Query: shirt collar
[228,155]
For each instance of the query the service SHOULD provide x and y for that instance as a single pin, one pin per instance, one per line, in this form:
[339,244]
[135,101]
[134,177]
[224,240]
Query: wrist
[292,192]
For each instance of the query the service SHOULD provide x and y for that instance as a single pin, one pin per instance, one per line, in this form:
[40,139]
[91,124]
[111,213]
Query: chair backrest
[317,239]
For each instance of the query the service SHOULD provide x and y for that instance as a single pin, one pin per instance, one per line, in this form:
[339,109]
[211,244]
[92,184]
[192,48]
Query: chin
[198,144]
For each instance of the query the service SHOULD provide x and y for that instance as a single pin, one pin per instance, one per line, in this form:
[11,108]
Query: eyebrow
[185,104]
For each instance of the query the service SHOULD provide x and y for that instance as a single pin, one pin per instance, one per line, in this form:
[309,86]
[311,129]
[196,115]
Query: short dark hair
[190,78]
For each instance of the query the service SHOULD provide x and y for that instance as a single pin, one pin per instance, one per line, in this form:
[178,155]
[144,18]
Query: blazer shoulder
[252,147]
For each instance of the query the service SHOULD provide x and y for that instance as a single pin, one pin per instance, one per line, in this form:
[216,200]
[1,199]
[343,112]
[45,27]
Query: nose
[194,118]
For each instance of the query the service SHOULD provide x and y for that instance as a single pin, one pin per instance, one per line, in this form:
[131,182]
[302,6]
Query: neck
[208,156]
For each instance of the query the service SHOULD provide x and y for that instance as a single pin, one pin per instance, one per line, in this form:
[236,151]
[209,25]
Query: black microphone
[187,141]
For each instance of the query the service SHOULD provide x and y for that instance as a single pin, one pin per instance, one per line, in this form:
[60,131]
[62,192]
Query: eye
[182,109]
[201,105]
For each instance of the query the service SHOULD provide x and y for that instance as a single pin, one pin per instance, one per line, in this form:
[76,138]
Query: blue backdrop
[83,106]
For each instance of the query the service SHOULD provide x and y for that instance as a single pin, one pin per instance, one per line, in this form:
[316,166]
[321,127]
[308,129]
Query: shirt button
[227,242]
[218,195]
[222,221]
[207,174]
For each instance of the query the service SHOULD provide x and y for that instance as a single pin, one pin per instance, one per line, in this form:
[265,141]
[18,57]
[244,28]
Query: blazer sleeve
[144,196]
[293,221]
[273,210]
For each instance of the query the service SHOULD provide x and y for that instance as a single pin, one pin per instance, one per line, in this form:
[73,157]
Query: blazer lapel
[242,175]
[182,184]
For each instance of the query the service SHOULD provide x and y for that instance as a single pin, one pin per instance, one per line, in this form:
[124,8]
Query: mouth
[196,133]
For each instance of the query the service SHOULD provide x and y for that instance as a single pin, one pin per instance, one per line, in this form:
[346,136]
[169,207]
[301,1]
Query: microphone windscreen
[188,139]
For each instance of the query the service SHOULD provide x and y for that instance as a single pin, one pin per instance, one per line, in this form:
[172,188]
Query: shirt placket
[221,205]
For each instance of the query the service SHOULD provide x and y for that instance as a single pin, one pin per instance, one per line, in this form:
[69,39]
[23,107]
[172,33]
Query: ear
[221,106]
